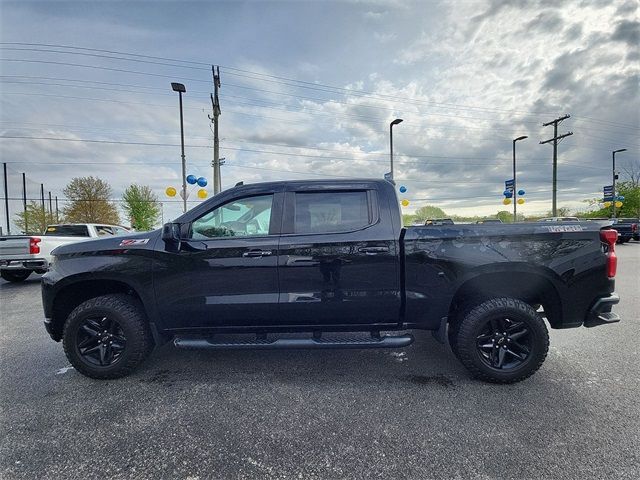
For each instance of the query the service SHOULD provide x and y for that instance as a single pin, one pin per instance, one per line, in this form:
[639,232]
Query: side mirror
[171,232]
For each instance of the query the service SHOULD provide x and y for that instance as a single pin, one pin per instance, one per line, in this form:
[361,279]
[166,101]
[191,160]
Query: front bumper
[600,312]
[49,328]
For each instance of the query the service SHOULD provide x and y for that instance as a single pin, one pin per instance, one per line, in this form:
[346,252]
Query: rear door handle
[257,253]
[373,250]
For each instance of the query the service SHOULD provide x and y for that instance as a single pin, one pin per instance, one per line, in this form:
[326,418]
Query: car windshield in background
[67,231]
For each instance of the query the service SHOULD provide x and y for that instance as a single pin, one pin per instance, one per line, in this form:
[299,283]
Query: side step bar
[210,343]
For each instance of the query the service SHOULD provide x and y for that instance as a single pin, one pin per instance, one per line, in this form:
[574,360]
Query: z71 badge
[129,242]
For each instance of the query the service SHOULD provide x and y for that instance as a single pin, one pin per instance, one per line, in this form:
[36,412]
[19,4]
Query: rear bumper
[600,312]
[25,264]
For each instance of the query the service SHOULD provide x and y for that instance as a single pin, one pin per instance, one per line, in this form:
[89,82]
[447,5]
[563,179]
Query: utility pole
[57,211]
[6,198]
[555,140]
[50,206]
[44,215]
[515,185]
[24,202]
[615,177]
[215,105]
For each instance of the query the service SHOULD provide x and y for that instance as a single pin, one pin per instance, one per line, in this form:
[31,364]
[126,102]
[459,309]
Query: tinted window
[67,230]
[331,212]
[240,218]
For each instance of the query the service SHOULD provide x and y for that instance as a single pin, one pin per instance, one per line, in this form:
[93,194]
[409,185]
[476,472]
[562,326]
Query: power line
[258,75]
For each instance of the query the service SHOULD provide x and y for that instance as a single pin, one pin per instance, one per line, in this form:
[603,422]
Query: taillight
[610,237]
[34,246]
[634,227]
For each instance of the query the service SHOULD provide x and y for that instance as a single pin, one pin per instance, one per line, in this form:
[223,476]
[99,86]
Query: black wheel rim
[100,341]
[504,343]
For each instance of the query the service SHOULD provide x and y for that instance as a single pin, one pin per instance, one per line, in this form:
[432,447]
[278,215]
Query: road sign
[608,194]
[509,184]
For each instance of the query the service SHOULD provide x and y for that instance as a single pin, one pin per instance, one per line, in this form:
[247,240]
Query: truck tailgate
[14,247]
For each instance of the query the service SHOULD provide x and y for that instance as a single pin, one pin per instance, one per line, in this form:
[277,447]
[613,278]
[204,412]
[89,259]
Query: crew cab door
[225,270]
[338,258]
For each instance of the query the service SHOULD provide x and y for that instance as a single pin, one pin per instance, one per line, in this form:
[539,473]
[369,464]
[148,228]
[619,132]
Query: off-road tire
[469,328]
[130,316]
[15,276]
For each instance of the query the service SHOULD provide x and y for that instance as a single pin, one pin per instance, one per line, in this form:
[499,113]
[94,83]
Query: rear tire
[15,275]
[502,340]
[107,337]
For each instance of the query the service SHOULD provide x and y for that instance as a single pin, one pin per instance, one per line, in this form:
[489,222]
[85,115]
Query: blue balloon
[507,194]
[403,189]
[191,179]
[202,182]
[621,198]
[521,192]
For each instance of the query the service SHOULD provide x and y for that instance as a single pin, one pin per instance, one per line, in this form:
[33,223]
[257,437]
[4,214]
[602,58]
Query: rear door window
[327,212]
[104,231]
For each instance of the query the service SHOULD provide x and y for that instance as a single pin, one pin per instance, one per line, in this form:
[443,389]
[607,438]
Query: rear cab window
[67,231]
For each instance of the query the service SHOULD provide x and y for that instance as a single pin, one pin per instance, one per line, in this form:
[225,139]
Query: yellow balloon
[520,201]
[202,193]
[170,191]
[618,204]
[506,201]
[607,204]
[405,203]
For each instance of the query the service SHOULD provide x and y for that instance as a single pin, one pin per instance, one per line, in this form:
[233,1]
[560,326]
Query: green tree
[141,206]
[407,220]
[505,216]
[429,211]
[35,219]
[89,202]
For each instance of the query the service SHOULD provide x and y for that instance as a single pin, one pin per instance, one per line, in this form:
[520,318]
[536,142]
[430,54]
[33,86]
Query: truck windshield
[67,231]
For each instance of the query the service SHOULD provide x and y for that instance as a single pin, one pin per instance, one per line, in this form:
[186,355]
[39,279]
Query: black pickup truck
[327,264]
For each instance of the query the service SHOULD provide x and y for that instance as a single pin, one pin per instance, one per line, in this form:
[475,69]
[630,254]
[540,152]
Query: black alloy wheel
[501,340]
[100,341]
[504,343]
[107,337]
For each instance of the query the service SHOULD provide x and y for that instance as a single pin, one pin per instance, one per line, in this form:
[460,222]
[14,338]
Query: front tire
[502,340]
[107,337]
[15,276]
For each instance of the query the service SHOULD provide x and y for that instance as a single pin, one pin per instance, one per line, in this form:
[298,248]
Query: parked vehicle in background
[21,255]
[439,221]
[489,220]
[627,229]
[327,264]
[559,219]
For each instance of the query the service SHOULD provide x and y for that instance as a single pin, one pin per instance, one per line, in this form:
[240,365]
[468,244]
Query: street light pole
[180,88]
[515,185]
[395,122]
[613,155]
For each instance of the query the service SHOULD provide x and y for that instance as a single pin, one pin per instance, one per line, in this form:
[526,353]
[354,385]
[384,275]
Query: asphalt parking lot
[411,413]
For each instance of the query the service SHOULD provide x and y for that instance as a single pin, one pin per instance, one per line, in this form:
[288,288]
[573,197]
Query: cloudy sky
[309,88]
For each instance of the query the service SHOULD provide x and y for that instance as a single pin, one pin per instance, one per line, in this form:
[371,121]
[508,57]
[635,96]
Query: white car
[21,255]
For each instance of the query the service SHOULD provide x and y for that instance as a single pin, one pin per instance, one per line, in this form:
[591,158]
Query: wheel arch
[76,292]
[531,286]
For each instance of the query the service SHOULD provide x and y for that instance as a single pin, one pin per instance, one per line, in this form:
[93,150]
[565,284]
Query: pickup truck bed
[289,264]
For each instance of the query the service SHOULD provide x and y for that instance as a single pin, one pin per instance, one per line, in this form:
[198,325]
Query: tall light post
[395,122]
[613,155]
[180,88]
[515,185]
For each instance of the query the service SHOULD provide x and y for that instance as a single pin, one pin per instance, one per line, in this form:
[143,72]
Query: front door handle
[257,253]
[373,250]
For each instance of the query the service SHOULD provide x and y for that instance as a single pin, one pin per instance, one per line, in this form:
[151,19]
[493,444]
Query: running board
[262,343]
